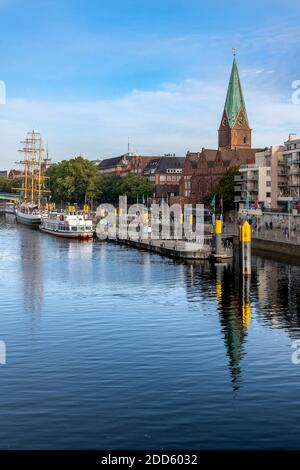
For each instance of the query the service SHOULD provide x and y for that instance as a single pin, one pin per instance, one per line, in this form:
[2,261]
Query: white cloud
[176,118]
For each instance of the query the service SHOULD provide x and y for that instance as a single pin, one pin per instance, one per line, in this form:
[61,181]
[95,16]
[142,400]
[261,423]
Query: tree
[75,180]
[7,185]
[134,186]
[224,189]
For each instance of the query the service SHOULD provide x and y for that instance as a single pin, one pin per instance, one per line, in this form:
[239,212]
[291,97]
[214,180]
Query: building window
[268,194]
[268,184]
[245,140]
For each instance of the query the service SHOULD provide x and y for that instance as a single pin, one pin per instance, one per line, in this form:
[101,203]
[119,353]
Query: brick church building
[202,170]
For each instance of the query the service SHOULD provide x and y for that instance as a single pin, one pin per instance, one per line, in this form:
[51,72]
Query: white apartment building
[254,184]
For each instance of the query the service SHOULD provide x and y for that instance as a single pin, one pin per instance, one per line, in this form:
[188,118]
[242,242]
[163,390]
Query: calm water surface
[109,347]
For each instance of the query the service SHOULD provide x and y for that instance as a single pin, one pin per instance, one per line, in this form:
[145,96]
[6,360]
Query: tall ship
[29,212]
[68,225]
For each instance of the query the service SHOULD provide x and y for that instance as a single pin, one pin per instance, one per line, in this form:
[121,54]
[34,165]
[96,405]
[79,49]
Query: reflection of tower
[31,260]
[235,315]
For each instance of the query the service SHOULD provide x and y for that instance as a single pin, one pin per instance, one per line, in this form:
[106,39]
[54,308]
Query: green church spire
[235,100]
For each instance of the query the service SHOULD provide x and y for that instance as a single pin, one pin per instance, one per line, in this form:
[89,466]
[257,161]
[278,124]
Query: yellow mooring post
[245,248]
[218,237]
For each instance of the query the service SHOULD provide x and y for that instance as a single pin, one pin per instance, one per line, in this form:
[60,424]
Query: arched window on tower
[245,140]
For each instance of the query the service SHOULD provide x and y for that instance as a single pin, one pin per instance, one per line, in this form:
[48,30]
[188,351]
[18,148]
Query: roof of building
[112,162]
[163,164]
[235,100]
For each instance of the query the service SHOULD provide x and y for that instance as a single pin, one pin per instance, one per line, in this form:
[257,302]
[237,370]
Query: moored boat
[9,208]
[28,214]
[68,225]
[33,186]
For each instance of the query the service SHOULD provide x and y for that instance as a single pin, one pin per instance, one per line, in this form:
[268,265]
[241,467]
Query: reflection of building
[233,294]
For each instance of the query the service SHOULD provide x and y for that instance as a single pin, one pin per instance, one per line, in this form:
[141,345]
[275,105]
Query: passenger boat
[28,214]
[68,225]
[9,208]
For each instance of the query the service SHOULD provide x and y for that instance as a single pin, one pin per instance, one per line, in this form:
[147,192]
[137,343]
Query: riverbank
[280,250]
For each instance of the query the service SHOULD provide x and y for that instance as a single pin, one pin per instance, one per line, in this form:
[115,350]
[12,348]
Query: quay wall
[279,250]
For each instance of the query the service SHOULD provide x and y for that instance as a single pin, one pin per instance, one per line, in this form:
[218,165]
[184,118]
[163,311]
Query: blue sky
[88,74]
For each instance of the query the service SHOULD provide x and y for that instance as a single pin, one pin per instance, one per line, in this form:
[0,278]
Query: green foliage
[7,185]
[74,180]
[133,186]
[225,189]
[78,180]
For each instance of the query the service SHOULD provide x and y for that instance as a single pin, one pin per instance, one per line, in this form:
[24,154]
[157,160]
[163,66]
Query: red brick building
[165,173]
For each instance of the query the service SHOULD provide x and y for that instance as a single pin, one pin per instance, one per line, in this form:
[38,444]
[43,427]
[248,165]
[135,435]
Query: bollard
[245,248]
[218,237]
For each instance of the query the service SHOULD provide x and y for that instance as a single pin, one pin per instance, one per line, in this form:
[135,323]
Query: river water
[108,347]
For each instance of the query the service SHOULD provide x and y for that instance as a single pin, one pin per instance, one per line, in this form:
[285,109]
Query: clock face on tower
[225,122]
[241,121]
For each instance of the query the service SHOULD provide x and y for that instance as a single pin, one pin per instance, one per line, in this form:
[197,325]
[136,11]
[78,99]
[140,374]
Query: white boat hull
[28,219]
[75,235]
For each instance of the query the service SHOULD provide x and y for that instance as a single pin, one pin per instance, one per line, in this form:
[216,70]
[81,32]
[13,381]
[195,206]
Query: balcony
[252,177]
[238,178]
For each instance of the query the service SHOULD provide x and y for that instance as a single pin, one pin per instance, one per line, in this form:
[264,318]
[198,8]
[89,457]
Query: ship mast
[33,179]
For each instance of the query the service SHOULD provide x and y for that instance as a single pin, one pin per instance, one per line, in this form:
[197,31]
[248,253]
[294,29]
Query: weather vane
[234,51]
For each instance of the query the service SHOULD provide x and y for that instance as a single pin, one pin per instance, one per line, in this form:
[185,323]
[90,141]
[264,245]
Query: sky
[89,74]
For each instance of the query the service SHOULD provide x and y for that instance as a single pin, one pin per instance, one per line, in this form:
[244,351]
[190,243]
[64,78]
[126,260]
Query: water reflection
[233,295]
[32,270]
[272,292]
[139,344]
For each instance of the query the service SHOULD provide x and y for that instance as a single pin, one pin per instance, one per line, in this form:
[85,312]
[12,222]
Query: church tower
[234,130]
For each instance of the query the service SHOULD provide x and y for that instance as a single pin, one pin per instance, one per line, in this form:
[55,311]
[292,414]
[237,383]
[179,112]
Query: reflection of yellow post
[246,305]
[245,248]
